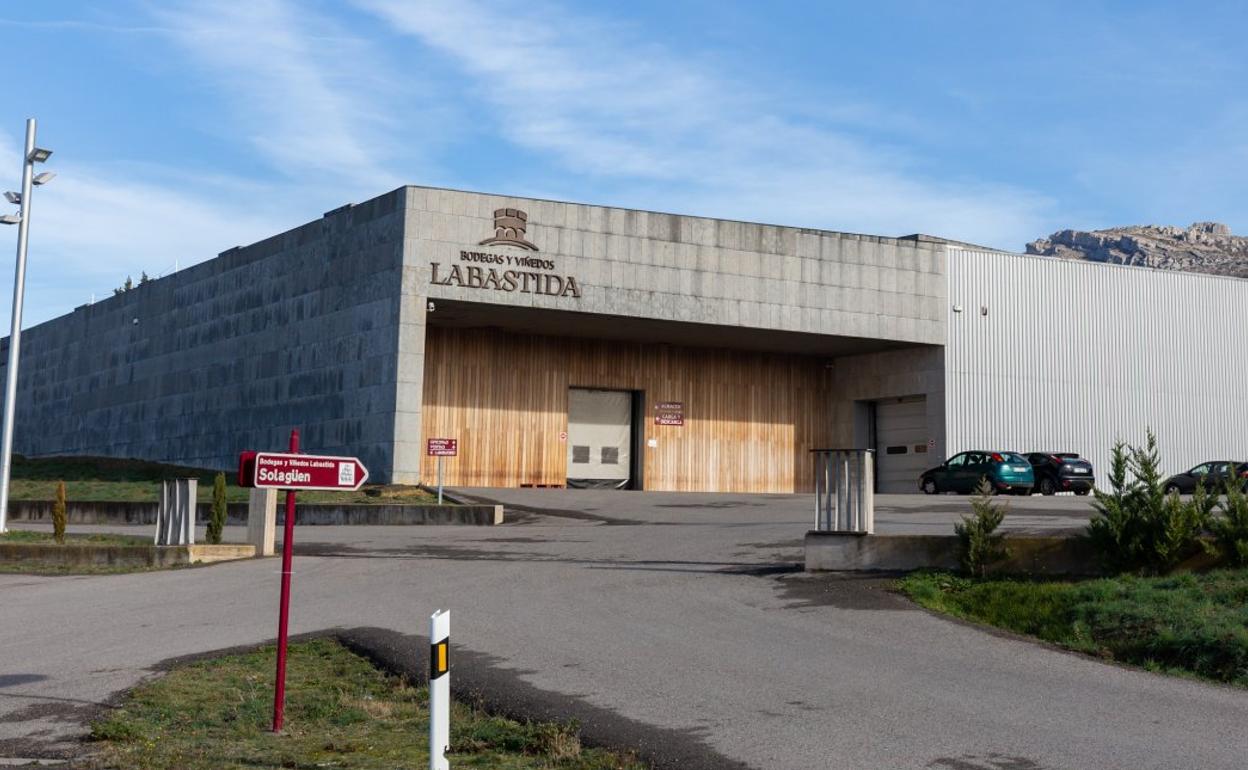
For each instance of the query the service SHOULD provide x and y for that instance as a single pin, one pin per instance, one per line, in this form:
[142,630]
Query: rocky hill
[1205,247]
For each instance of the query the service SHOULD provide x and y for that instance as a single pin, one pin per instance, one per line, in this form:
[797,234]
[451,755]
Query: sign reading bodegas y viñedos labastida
[506,272]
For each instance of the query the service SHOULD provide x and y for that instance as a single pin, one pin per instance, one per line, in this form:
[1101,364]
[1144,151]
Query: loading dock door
[600,437]
[901,444]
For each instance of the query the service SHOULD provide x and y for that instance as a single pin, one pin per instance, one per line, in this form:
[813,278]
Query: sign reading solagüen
[272,470]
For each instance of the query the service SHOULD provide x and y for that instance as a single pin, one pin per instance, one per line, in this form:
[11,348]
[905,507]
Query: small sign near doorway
[442,447]
[439,448]
[669,413]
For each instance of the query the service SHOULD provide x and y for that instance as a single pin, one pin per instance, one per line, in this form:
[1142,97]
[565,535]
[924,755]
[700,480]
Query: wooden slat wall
[750,418]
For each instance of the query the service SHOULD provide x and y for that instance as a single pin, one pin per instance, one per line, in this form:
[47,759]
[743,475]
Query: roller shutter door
[600,433]
[900,444]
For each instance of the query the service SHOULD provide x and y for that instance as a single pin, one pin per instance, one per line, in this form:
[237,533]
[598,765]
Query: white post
[440,479]
[818,456]
[439,689]
[868,492]
[843,515]
[15,325]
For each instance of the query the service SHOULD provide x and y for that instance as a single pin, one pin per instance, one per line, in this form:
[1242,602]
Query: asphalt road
[672,612]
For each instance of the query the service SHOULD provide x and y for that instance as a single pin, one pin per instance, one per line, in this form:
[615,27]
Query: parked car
[1213,474]
[1061,472]
[1006,472]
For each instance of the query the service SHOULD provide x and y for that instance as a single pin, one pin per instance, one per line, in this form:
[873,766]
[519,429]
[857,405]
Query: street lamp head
[39,155]
[44,178]
[10,219]
[13,197]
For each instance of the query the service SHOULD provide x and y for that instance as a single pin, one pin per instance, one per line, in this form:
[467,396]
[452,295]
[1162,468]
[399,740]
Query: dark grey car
[1212,474]
[1061,472]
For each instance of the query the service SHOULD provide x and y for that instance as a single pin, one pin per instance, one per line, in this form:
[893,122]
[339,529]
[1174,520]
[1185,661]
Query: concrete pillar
[409,385]
[262,520]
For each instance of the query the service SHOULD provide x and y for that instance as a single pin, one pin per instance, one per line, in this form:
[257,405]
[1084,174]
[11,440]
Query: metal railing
[845,490]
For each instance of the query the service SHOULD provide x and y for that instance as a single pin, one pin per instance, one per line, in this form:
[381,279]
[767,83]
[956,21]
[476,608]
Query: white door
[901,443]
[600,435]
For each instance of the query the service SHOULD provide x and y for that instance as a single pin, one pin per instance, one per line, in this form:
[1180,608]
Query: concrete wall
[861,379]
[646,265]
[1055,355]
[669,267]
[299,330]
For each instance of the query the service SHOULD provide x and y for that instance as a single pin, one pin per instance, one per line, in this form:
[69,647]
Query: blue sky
[184,127]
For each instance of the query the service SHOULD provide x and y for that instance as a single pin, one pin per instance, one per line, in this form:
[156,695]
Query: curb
[109,512]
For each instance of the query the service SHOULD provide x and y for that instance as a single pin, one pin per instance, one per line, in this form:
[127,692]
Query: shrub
[1112,530]
[216,519]
[979,544]
[1138,527]
[59,514]
[1230,529]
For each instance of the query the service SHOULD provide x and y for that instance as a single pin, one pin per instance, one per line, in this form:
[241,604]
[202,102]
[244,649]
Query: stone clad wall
[298,330]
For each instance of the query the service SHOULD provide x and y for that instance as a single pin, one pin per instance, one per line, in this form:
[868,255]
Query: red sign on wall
[669,413]
[442,447]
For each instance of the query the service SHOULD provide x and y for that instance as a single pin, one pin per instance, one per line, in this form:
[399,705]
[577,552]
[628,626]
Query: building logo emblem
[509,229]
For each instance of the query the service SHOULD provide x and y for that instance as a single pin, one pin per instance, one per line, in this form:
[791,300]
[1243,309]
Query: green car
[1007,473]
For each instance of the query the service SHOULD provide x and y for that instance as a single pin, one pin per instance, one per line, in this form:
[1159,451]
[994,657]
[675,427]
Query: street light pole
[29,158]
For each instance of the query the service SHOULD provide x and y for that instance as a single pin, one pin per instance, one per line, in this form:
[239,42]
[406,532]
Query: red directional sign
[276,470]
[442,447]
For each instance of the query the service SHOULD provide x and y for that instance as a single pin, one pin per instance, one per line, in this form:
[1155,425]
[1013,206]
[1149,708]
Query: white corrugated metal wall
[1057,355]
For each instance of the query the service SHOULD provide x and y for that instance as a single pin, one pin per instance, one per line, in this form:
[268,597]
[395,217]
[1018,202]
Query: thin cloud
[673,134]
[91,228]
[305,93]
[80,25]
[293,94]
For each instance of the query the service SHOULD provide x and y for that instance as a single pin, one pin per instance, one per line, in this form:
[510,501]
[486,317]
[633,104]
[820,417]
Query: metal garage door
[600,434]
[901,443]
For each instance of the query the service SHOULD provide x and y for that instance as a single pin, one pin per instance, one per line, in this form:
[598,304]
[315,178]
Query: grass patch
[341,712]
[38,568]
[1192,623]
[111,479]
[71,539]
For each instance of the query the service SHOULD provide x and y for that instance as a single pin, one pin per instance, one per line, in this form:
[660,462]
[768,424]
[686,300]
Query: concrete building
[569,344]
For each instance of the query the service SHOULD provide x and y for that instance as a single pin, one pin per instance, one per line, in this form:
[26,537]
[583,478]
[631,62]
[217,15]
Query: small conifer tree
[1114,530]
[216,519]
[1138,527]
[979,544]
[1230,529]
[59,514]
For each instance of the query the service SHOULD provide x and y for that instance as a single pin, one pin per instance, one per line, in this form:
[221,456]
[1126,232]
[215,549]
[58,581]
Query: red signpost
[293,471]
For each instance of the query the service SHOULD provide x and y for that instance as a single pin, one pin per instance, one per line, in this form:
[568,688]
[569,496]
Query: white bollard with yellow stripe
[439,689]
